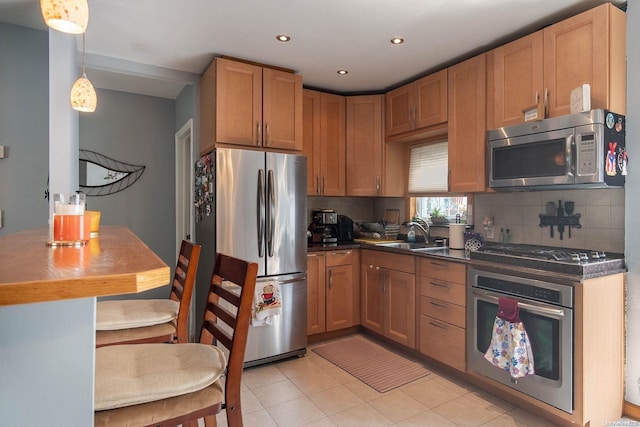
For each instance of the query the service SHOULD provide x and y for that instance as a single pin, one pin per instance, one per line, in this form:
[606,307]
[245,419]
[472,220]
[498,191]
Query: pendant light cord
[83,73]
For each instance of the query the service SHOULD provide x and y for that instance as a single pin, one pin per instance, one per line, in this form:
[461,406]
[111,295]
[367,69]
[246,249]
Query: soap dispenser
[411,235]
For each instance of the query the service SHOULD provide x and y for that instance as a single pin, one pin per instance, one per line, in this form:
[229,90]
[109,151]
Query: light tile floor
[310,391]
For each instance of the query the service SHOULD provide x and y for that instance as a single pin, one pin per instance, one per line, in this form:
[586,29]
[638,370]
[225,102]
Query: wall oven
[546,310]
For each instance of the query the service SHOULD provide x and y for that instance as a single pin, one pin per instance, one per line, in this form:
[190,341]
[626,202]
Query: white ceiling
[155,47]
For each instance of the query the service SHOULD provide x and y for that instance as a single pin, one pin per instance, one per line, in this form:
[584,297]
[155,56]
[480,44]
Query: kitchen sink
[409,245]
[436,250]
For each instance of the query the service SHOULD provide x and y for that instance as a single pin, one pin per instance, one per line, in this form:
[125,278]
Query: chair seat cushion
[208,399]
[139,373]
[163,332]
[125,314]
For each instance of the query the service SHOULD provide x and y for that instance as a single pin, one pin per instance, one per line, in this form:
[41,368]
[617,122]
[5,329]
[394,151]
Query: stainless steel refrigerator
[258,213]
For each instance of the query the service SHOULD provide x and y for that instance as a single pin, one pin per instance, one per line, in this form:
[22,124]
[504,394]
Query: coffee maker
[324,227]
[345,229]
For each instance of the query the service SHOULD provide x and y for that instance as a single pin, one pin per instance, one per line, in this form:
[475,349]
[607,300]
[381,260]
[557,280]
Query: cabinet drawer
[443,310]
[449,271]
[446,291]
[389,260]
[443,342]
[339,257]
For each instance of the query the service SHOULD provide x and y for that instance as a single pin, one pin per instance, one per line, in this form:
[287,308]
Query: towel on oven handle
[510,347]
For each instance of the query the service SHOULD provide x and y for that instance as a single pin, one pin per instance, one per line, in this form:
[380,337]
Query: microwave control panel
[587,161]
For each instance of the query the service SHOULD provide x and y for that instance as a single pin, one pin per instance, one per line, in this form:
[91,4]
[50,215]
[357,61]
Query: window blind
[429,168]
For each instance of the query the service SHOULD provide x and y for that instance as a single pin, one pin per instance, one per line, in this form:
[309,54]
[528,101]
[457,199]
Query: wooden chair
[141,321]
[165,385]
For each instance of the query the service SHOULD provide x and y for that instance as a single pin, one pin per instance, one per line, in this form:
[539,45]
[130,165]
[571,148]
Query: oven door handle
[523,305]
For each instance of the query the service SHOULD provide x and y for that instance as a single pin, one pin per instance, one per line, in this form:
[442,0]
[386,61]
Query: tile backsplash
[356,208]
[601,215]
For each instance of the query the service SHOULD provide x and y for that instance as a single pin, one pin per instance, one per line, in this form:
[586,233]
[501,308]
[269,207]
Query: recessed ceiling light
[397,40]
[343,72]
[283,38]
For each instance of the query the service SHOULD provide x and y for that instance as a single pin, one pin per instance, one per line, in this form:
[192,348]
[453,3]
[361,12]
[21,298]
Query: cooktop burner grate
[564,260]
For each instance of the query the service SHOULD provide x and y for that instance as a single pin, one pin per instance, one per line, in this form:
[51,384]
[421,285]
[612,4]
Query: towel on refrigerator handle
[267,303]
[510,348]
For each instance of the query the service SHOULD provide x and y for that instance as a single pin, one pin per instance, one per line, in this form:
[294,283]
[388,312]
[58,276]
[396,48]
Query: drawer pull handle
[440,285]
[439,326]
[341,253]
[438,305]
[438,264]
[330,279]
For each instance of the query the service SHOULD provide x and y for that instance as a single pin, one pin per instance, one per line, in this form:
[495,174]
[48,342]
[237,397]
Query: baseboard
[631,410]
[312,339]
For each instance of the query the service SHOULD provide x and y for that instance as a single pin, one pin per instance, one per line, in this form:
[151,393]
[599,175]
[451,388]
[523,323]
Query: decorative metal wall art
[101,175]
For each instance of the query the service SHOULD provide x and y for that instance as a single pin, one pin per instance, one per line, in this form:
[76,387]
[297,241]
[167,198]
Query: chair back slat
[223,314]
[228,295]
[218,334]
[182,286]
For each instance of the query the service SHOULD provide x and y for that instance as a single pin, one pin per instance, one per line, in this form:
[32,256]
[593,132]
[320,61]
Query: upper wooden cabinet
[364,145]
[248,105]
[467,125]
[516,76]
[324,143]
[586,48]
[419,105]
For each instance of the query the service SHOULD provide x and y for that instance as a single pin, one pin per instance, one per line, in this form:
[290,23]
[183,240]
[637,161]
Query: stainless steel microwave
[578,150]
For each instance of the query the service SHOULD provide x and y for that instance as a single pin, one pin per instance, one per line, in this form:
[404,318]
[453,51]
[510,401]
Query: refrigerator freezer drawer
[287,336]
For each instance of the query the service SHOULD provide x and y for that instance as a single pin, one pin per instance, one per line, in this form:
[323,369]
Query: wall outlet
[1,151]
[1,218]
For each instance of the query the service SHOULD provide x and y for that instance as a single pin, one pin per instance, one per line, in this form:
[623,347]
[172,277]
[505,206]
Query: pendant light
[68,16]
[83,96]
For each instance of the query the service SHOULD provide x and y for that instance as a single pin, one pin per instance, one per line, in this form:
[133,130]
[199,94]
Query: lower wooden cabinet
[388,295]
[332,290]
[443,311]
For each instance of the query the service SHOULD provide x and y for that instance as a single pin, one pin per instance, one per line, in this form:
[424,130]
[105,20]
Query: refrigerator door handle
[271,214]
[261,213]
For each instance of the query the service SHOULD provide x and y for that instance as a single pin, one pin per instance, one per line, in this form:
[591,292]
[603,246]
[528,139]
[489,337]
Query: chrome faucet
[426,233]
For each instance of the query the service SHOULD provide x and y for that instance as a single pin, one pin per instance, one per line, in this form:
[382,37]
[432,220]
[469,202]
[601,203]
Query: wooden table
[115,262]
[47,319]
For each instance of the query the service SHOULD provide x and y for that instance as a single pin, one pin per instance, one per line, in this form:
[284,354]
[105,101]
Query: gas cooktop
[562,260]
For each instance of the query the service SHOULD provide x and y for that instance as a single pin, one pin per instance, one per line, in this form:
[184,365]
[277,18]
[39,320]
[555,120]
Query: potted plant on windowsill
[438,218]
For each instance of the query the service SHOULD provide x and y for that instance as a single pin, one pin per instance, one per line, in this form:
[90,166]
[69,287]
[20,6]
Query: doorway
[184,195]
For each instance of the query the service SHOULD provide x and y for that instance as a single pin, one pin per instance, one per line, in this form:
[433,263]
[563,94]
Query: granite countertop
[565,272]
[319,247]
[443,252]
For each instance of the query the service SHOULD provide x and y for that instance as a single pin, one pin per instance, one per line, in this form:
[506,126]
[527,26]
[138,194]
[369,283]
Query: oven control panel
[520,289]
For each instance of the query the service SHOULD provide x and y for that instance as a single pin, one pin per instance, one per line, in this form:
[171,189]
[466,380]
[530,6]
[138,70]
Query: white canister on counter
[456,236]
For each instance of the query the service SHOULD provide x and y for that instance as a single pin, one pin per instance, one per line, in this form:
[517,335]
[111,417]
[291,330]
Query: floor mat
[372,364]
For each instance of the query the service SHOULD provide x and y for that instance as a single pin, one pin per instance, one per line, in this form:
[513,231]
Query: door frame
[184,194]
[184,190]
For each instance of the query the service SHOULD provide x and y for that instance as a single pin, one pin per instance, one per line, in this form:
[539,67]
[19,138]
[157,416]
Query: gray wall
[632,222]
[185,106]
[24,127]
[137,129]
